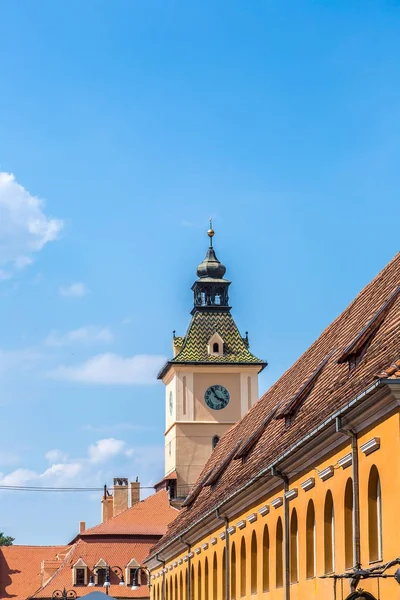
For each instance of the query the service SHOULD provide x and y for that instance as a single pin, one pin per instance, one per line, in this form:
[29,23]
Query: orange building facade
[302,493]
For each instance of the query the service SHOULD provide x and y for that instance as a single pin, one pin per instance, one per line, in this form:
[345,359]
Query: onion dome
[211,266]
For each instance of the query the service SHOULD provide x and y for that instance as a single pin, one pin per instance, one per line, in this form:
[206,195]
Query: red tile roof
[335,386]
[20,568]
[114,553]
[392,372]
[149,517]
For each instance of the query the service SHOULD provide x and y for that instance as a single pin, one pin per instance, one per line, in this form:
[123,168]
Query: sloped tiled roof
[335,387]
[202,326]
[391,372]
[114,552]
[148,517]
[20,568]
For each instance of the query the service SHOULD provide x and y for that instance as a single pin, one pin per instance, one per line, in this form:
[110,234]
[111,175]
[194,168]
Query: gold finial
[210,232]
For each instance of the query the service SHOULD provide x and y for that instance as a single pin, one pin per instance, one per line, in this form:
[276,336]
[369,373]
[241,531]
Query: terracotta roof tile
[148,517]
[334,388]
[113,552]
[391,372]
[20,568]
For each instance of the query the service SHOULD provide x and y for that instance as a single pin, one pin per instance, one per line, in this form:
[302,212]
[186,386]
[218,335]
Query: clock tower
[211,381]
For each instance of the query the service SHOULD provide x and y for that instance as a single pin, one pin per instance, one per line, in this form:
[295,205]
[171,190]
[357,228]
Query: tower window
[215,441]
[216,348]
[217,299]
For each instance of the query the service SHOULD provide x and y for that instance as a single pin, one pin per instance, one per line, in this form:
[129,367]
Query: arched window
[215,578]
[242,568]
[216,347]
[224,574]
[192,591]
[215,441]
[374,515]
[310,540]
[253,564]
[279,553]
[184,395]
[171,593]
[186,584]
[233,571]
[329,533]
[181,596]
[176,595]
[265,560]
[206,583]
[293,547]
[348,524]
[167,596]
[199,597]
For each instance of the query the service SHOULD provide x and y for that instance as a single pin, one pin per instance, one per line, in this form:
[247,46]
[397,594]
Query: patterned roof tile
[201,328]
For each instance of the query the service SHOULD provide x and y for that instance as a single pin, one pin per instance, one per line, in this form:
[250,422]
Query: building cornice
[373,403]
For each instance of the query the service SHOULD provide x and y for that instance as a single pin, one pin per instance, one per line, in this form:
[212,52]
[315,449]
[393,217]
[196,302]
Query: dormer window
[100,571]
[132,572]
[80,573]
[215,346]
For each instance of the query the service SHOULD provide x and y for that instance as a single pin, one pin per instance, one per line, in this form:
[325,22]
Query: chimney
[120,497]
[82,526]
[135,492]
[106,506]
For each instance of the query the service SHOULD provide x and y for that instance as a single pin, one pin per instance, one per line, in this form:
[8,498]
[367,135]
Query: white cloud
[21,359]
[83,335]
[62,472]
[111,369]
[105,449]
[55,455]
[74,290]
[24,227]
[18,477]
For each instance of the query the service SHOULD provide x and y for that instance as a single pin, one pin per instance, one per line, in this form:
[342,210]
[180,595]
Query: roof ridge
[62,563]
[123,511]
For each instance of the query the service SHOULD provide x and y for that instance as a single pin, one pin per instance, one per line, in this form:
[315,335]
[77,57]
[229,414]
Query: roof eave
[170,363]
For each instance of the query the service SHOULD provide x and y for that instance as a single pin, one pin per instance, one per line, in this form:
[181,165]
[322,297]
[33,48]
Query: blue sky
[123,127]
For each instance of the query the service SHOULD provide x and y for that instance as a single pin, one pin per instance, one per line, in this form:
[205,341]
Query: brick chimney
[135,492]
[120,496]
[106,505]
[82,526]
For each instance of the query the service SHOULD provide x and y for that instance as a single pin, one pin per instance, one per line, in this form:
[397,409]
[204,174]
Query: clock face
[171,403]
[217,397]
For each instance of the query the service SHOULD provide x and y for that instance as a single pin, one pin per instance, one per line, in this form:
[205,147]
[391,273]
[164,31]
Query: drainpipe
[277,473]
[189,583]
[356,496]
[163,576]
[227,563]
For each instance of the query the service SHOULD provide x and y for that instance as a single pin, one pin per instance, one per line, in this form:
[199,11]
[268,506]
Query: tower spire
[211,233]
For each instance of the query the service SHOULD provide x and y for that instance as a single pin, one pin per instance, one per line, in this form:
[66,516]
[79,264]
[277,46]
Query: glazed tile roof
[148,517]
[20,568]
[335,387]
[202,326]
[113,552]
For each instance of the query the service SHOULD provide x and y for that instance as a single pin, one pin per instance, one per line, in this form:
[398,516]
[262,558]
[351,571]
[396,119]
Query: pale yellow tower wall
[192,425]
